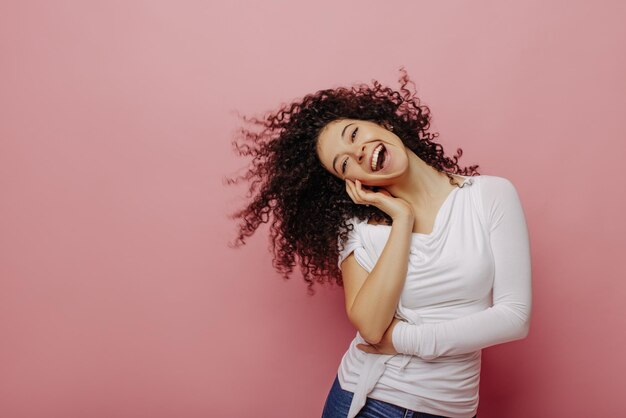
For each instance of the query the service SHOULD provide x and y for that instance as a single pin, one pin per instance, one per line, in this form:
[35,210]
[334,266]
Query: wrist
[403,221]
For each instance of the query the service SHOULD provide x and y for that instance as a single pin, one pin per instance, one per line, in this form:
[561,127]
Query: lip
[372,158]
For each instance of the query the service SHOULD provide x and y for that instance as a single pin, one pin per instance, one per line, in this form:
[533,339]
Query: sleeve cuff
[416,340]
[402,338]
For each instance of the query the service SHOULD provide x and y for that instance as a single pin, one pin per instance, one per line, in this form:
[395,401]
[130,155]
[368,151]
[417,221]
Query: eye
[345,162]
[354,134]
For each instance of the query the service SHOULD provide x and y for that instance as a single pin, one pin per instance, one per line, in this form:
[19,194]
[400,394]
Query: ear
[387,125]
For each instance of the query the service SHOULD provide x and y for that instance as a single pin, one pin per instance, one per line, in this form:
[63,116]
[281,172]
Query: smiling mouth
[378,157]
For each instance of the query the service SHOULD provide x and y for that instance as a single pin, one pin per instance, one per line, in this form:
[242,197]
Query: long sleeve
[509,316]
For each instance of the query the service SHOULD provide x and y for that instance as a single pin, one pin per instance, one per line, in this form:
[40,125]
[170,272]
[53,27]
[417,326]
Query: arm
[508,319]
[371,299]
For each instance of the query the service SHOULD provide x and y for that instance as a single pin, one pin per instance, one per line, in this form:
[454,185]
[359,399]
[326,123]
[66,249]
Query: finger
[355,196]
[350,192]
[385,192]
[362,194]
[373,197]
[358,191]
[366,348]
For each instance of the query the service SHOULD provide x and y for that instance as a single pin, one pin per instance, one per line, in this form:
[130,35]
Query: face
[357,149]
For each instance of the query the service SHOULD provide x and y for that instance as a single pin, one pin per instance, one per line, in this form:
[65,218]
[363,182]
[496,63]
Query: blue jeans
[338,403]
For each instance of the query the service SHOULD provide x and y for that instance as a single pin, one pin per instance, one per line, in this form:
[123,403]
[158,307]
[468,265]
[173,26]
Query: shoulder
[499,196]
[489,180]
[355,222]
[493,187]
[352,226]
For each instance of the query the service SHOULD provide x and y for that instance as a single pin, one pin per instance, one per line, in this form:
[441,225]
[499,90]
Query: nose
[360,153]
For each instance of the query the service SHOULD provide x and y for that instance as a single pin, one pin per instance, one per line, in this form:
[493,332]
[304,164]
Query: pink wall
[118,294]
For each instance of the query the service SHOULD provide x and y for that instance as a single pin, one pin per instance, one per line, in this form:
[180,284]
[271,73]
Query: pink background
[118,294]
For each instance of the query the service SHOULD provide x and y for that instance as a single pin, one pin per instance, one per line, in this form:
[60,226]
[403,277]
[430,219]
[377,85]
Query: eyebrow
[343,131]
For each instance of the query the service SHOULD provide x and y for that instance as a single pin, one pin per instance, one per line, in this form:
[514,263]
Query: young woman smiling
[434,260]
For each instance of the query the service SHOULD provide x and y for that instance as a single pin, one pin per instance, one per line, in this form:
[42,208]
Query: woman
[434,260]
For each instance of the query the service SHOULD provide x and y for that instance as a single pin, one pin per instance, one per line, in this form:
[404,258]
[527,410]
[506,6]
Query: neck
[421,186]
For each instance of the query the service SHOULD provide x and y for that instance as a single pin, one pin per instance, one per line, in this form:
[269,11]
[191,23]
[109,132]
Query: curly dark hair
[309,206]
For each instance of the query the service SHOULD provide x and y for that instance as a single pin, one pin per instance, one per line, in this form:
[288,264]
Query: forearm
[495,325]
[509,317]
[375,303]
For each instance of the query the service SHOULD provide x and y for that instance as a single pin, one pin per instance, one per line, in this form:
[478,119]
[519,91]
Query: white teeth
[375,154]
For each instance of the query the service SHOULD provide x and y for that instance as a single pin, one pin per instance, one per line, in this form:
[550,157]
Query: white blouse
[468,287]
